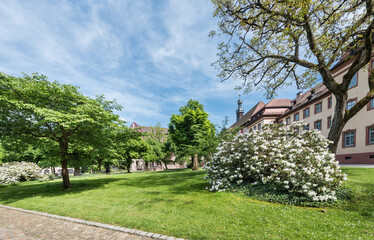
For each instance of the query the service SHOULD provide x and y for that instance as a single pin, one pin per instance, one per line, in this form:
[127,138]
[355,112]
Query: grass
[175,203]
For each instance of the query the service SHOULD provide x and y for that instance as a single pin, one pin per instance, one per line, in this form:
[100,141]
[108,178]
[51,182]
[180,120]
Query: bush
[14,172]
[287,158]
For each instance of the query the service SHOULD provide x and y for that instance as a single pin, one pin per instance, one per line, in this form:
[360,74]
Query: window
[306,127]
[296,117]
[306,112]
[349,138]
[329,102]
[370,135]
[318,107]
[281,122]
[329,122]
[318,125]
[353,82]
[254,128]
[350,104]
[288,121]
[371,104]
[259,126]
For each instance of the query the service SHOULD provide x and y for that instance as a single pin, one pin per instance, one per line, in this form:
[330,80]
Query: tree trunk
[65,174]
[77,171]
[53,170]
[166,166]
[64,164]
[195,162]
[99,164]
[338,122]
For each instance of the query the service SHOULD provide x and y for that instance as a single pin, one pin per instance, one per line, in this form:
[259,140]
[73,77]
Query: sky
[151,56]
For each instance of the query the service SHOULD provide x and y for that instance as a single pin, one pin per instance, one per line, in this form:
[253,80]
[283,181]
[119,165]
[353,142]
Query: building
[316,108]
[140,165]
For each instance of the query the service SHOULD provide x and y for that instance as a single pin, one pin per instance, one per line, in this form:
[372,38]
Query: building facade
[316,108]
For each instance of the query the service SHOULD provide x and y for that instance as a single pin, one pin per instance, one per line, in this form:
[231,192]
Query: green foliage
[128,145]
[34,109]
[274,44]
[271,194]
[191,131]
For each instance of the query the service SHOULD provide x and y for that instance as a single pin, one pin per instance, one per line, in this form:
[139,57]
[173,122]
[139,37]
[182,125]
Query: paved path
[17,225]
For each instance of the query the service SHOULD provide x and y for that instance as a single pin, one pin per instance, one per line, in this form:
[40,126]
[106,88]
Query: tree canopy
[272,44]
[33,108]
[191,130]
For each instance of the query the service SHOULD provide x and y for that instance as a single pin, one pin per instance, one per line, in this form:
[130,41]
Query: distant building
[139,164]
[316,108]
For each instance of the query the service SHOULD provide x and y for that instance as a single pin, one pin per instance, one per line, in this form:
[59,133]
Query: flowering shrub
[14,172]
[287,158]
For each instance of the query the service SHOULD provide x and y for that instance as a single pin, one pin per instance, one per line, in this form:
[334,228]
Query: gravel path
[18,225]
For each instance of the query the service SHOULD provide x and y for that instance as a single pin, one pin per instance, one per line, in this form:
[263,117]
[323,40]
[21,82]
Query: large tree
[272,44]
[190,130]
[31,107]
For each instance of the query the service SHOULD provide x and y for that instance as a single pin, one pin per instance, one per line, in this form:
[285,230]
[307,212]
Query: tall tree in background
[190,129]
[272,44]
[31,107]
[128,145]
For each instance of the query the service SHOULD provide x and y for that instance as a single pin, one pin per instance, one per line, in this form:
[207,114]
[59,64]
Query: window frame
[353,86]
[349,101]
[307,108]
[315,107]
[354,138]
[329,122]
[288,121]
[329,102]
[315,122]
[259,126]
[298,117]
[307,126]
[367,134]
[369,105]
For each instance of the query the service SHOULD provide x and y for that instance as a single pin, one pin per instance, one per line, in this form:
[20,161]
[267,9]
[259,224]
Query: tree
[169,149]
[190,129]
[128,145]
[276,43]
[34,108]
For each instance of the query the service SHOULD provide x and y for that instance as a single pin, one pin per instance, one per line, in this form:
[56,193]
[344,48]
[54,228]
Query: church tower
[240,110]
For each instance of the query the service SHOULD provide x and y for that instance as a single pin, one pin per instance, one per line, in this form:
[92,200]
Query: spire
[240,110]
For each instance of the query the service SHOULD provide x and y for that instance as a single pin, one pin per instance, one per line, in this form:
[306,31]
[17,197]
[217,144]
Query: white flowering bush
[14,172]
[287,158]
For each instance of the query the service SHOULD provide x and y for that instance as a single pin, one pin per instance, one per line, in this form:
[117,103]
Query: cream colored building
[316,108]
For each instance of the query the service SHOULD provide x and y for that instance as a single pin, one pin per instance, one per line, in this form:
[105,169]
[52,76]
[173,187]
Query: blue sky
[152,56]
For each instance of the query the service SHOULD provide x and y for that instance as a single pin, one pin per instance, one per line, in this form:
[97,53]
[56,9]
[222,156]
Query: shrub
[14,172]
[287,158]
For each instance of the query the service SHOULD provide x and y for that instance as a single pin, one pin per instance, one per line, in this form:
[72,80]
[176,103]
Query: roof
[147,129]
[305,98]
[134,125]
[279,103]
[248,115]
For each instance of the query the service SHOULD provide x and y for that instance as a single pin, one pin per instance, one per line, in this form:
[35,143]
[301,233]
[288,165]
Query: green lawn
[175,203]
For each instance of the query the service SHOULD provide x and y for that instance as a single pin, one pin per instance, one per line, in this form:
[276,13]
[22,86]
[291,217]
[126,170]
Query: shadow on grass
[176,181]
[51,189]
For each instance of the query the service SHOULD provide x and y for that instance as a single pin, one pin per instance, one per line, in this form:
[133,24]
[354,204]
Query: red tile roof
[248,115]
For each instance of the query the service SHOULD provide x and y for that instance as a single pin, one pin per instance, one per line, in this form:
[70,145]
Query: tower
[240,110]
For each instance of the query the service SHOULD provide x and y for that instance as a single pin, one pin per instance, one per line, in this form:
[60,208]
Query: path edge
[97,224]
